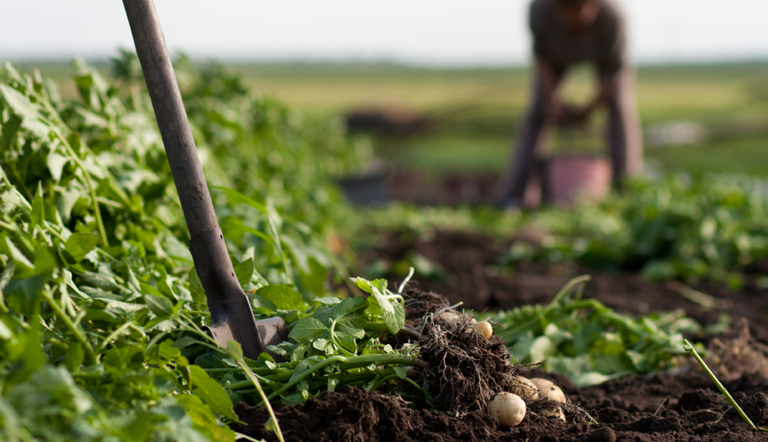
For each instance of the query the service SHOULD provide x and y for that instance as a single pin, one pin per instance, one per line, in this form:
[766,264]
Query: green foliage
[589,342]
[333,342]
[100,308]
[715,228]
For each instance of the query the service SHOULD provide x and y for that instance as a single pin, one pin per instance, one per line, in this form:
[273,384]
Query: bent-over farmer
[565,33]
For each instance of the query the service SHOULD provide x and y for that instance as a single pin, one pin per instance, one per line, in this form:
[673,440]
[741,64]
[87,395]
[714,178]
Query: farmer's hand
[557,111]
[573,115]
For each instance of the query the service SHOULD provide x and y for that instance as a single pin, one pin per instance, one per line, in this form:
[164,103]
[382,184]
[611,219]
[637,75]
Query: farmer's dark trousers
[623,135]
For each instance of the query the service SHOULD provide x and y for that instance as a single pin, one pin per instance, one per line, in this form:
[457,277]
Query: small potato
[449,315]
[524,388]
[484,328]
[452,316]
[552,409]
[508,408]
[549,390]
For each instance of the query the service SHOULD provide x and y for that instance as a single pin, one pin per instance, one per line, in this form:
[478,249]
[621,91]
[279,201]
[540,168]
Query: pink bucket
[573,177]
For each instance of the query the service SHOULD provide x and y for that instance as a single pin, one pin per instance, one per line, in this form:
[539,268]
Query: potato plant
[589,342]
[100,309]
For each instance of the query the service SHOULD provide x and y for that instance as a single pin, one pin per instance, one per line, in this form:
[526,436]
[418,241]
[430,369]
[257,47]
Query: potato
[452,316]
[524,388]
[553,409]
[508,408]
[484,327]
[549,390]
[449,315]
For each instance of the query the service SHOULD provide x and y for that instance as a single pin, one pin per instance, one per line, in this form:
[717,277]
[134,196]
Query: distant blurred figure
[567,32]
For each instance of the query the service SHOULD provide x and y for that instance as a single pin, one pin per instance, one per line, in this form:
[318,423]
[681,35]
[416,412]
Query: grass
[478,109]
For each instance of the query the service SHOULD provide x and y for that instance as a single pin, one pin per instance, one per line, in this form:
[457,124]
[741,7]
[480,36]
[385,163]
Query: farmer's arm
[548,80]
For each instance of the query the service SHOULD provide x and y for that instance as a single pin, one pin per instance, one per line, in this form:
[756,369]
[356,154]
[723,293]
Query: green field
[477,109]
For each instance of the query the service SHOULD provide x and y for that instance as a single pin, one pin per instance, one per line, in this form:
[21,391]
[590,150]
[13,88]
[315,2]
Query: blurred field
[476,110]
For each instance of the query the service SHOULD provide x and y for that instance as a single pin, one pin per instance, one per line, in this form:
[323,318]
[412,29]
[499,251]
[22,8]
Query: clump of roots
[418,304]
[465,369]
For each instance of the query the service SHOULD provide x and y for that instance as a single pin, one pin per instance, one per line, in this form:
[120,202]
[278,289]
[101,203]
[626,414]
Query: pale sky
[444,32]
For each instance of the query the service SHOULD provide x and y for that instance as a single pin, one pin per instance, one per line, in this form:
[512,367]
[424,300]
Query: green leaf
[235,350]
[237,197]
[9,130]
[270,425]
[400,371]
[159,305]
[350,306]
[284,297]
[24,354]
[23,294]
[351,325]
[541,349]
[321,344]
[247,229]
[196,287]
[79,244]
[244,272]
[138,429]
[259,302]
[7,247]
[120,359]
[608,355]
[165,352]
[23,108]
[347,341]
[306,330]
[395,320]
[74,356]
[211,392]
[328,300]
[56,163]
[203,419]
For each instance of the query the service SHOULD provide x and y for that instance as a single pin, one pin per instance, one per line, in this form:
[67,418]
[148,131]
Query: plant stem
[264,398]
[318,366]
[689,348]
[90,355]
[89,183]
[362,361]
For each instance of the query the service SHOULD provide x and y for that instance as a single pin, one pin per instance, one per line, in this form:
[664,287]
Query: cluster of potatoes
[509,407]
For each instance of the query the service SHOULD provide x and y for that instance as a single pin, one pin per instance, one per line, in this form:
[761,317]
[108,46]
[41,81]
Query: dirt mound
[685,407]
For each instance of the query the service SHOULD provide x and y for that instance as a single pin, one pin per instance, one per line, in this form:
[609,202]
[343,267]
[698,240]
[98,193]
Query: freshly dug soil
[685,407]
[675,406]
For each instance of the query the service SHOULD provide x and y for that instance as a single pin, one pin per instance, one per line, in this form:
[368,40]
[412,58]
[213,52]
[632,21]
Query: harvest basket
[573,176]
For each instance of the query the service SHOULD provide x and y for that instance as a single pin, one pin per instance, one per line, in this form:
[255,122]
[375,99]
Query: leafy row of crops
[713,228]
[676,227]
[100,308]
[589,342]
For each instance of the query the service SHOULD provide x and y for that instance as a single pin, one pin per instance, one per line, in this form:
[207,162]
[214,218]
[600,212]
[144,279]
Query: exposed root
[466,370]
